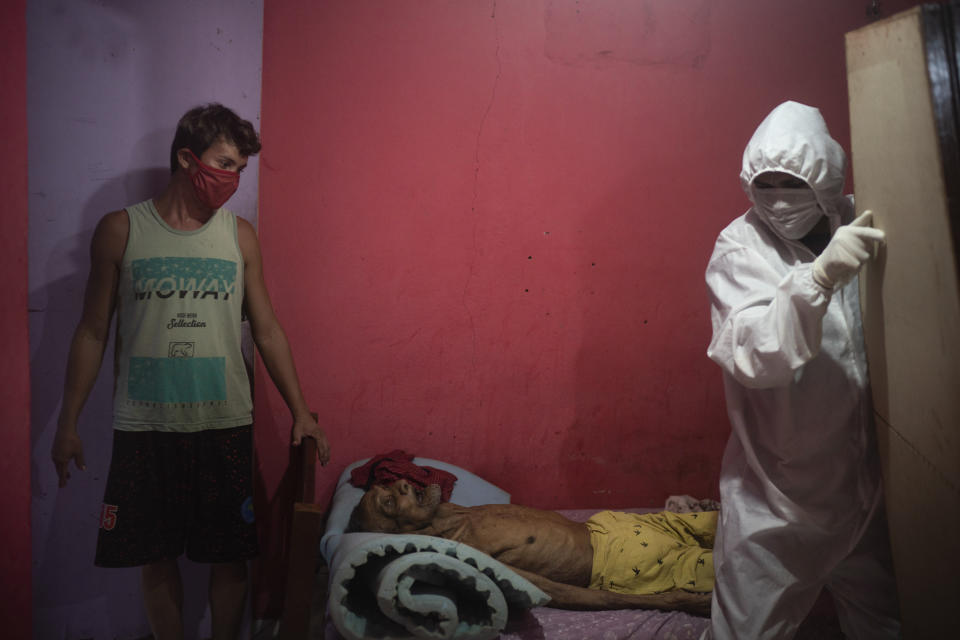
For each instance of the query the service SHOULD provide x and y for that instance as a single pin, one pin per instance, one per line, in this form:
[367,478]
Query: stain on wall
[643,32]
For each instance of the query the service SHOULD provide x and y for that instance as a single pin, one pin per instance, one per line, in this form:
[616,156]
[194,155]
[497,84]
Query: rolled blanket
[401,586]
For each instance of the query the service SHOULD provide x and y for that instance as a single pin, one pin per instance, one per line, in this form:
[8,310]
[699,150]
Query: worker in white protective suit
[800,486]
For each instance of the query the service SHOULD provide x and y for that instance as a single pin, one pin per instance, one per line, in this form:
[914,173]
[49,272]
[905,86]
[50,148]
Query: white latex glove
[850,247]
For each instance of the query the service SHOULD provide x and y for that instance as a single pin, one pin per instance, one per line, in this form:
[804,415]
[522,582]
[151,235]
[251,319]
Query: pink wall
[485,226]
[14,385]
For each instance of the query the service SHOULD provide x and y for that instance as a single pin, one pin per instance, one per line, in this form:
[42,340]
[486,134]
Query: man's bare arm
[565,596]
[90,338]
[271,341]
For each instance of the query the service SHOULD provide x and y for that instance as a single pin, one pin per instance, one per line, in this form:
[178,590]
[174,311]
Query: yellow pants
[647,553]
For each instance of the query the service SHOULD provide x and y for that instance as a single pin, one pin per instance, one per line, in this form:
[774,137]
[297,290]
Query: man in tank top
[179,271]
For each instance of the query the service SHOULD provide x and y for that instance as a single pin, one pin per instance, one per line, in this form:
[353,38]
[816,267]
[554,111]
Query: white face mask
[792,213]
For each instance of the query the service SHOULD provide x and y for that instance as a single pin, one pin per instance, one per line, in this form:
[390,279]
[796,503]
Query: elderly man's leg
[163,598]
[228,598]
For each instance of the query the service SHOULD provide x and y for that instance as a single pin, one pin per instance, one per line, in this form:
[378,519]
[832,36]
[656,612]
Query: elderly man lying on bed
[613,561]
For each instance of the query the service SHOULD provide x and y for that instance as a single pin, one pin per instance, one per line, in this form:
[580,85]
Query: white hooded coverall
[799,485]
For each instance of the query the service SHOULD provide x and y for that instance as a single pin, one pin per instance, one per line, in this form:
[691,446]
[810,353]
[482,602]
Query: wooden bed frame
[305,531]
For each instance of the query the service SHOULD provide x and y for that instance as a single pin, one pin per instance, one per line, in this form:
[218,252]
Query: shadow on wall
[641,380]
[614,394]
[65,300]
[72,598]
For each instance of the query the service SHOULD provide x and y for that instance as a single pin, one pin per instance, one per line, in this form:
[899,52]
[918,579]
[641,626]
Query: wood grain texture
[903,135]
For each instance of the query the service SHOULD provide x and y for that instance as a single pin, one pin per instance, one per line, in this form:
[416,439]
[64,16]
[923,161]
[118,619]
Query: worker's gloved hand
[850,247]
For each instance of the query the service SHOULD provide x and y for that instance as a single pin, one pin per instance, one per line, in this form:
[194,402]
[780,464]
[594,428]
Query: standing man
[180,272]
[802,505]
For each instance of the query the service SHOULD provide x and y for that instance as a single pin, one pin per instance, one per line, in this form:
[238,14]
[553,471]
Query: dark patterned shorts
[173,492]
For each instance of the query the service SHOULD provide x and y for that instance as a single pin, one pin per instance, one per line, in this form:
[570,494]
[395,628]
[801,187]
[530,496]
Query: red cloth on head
[387,468]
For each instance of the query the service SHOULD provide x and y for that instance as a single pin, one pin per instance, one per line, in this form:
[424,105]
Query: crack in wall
[486,113]
[476,182]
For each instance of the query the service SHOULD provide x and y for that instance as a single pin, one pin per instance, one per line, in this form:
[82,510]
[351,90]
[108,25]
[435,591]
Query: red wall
[485,225]
[15,590]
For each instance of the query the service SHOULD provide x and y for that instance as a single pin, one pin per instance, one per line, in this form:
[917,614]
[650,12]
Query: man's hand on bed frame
[565,596]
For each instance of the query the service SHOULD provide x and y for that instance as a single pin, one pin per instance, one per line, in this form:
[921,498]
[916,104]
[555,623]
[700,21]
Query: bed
[402,586]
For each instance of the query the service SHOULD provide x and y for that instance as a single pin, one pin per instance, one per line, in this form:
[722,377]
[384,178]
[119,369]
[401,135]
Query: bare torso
[543,542]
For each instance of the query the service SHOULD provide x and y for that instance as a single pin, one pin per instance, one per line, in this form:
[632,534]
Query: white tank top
[178,361]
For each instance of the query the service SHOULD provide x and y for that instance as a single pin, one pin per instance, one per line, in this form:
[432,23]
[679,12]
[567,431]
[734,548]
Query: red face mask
[213,186]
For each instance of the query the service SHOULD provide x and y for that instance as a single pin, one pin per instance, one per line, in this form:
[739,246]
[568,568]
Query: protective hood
[794,139]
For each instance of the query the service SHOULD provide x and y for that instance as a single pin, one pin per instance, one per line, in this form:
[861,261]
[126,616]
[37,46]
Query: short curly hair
[202,126]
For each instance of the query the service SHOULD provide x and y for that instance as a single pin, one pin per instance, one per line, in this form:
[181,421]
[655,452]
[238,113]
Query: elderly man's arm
[565,596]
